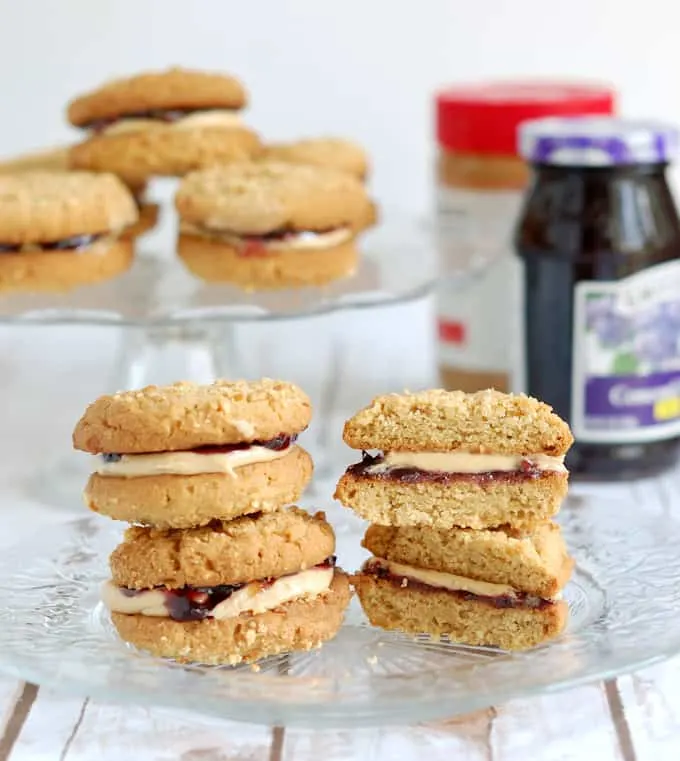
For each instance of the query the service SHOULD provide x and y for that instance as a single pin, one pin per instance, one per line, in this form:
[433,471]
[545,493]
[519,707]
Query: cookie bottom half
[302,624]
[65,270]
[216,261]
[138,156]
[465,503]
[437,612]
[169,501]
[148,219]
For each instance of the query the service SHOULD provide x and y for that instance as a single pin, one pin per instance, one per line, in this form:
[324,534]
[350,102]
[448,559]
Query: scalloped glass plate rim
[619,561]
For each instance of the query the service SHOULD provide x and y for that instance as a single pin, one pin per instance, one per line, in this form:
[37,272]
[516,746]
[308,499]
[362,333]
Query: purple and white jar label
[626,358]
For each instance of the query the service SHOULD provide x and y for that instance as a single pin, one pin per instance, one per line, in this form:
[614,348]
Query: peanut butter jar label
[479,321]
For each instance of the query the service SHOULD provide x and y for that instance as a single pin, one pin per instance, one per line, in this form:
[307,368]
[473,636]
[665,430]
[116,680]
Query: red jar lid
[484,118]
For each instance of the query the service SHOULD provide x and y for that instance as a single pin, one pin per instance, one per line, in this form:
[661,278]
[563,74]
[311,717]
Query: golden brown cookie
[175,88]
[185,501]
[333,152]
[162,123]
[185,416]
[64,270]
[46,160]
[215,261]
[47,208]
[302,624]
[57,160]
[148,219]
[254,547]
[534,562]
[270,199]
[397,604]
[485,422]
[477,501]
[164,150]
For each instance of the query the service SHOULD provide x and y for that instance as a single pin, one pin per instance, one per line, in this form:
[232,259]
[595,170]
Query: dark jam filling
[278,444]
[518,600]
[168,115]
[197,603]
[74,243]
[528,470]
[256,245]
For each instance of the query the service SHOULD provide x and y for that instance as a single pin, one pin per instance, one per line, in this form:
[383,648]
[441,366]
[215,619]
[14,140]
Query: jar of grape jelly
[599,237]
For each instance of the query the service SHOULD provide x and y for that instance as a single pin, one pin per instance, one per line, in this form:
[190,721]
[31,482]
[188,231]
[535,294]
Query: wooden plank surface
[651,703]
[70,729]
[568,725]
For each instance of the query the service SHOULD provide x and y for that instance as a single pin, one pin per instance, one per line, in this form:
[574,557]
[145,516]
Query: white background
[362,68]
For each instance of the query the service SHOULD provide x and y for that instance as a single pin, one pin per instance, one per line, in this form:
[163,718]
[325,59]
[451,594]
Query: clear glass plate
[624,599]
[399,262]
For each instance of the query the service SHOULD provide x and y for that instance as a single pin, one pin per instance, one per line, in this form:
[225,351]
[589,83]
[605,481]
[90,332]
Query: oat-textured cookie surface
[535,562]
[261,197]
[188,501]
[267,545]
[441,421]
[43,207]
[333,152]
[174,88]
[187,415]
[164,151]
[302,624]
[515,501]
[46,160]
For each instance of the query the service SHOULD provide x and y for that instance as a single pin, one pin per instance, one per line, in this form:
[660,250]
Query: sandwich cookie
[270,224]
[231,592]
[57,160]
[183,455]
[162,123]
[449,459]
[331,152]
[59,230]
[499,588]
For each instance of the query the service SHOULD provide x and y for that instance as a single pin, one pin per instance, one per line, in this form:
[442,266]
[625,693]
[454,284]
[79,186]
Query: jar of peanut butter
[480,180]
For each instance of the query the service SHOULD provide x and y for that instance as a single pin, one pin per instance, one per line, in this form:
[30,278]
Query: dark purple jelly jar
[599,237]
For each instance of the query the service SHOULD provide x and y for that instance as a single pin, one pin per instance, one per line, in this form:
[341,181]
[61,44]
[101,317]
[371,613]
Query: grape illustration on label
[626,349]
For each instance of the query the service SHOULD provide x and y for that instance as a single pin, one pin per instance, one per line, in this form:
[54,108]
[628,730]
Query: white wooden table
[636,717]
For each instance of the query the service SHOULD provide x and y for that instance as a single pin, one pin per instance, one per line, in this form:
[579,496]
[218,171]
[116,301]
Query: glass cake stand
[623,599]
[179,327]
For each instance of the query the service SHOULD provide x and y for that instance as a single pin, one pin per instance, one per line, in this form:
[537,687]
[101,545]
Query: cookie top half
[38,207]
[176,88]
[186,416]
[442,421]
[263,197]
[333,152]
[263,546]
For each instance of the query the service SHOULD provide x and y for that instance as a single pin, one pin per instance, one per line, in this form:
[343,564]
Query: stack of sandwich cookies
[460,496]
[61,230]
[162,123]
[57,160]
[219,571]
[270,224]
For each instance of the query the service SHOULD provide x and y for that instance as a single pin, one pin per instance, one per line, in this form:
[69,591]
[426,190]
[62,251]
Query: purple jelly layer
[518,600]
[279,444]
[197,603]
[528,471]
[74,243]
